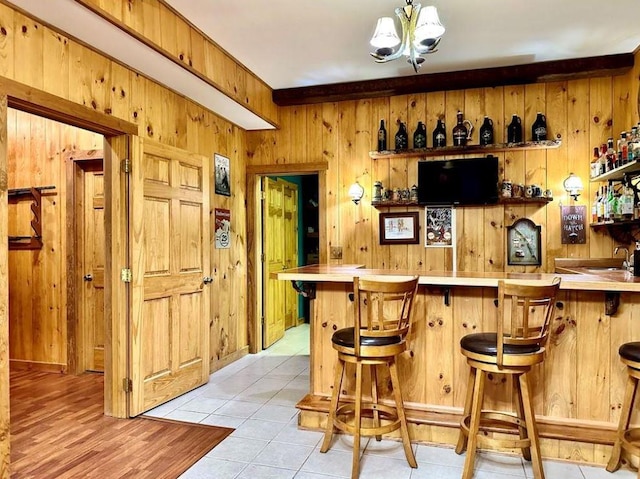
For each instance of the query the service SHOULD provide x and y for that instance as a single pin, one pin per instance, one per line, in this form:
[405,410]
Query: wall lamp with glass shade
[356,192]
[573,186]
[421,33]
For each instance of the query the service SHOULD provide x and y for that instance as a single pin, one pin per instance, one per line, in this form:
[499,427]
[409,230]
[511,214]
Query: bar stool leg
[335,396]
[623,424]
[474,425]
[404,431]
[355,465]
[526,451]
[462,437]
[532,428]
[374,399]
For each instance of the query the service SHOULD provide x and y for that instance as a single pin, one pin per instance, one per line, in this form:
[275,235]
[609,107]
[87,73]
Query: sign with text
[573,222]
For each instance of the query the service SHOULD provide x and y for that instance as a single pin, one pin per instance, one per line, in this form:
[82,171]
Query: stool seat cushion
[345,338]
[487,344]
[630,351]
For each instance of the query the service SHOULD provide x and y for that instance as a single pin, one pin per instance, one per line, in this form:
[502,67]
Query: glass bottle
[595,164]
[402,138]
[382,137]
[600,205]
[460,131]
[611,155]
[420,136]
[440,135]
[539,128]
[514,130]
[624,149]
[486,132]
[594,208]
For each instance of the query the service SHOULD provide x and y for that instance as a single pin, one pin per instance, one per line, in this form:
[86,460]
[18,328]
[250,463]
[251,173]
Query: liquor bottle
[402,138]
[440,135]
[626,206]
[633,141]
[603,159]
[486,132]
[595,162]
[539,128]
[600,205]
[382,137]
[514,130]
[460,131]
[420,136]
[611,155]
[608,200]
[594,209]
[624,149]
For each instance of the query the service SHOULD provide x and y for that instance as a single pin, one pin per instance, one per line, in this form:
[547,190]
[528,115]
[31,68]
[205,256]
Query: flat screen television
[464,181]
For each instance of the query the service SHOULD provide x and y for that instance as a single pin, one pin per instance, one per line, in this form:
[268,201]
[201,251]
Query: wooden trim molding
[41,103]
[557,70]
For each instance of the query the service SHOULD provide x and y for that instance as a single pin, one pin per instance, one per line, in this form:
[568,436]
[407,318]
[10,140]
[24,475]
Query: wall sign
[223,228]
[523,243]
[573,224]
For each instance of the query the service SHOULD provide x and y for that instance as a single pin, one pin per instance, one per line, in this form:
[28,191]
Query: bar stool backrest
[383,307]
[524,313]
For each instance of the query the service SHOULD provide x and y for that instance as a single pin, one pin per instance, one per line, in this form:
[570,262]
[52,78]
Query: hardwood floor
[58,430]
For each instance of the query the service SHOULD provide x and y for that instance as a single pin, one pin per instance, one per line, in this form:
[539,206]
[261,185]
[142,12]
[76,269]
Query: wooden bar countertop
[573,278]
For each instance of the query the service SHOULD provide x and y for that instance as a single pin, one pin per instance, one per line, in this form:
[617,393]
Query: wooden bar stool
[382,310]
[524,315]
[627,439]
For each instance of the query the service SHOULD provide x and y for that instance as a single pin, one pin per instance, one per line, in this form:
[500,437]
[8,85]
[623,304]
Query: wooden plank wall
[160,26]
[583,112]
[41,58]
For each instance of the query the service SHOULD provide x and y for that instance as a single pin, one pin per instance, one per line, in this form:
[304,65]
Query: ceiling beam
[557,70]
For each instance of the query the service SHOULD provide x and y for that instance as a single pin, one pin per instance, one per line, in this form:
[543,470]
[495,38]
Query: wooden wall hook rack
[33,194]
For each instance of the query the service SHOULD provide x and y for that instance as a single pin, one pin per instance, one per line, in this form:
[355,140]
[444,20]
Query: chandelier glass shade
[421,33]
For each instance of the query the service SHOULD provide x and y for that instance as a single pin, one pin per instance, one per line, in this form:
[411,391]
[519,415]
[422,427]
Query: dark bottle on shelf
[460,131]
[539,128]
[514,130]
[486,132]
[382,137]
[440,135]
[402,138]
[420,136]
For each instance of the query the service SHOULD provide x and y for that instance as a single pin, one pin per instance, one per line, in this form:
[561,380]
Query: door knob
[88,277]
[207,280]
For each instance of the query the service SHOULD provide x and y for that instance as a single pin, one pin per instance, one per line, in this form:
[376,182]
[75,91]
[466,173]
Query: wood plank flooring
[58,430]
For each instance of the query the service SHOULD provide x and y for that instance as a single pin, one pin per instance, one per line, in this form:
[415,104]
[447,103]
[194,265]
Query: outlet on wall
[336,252]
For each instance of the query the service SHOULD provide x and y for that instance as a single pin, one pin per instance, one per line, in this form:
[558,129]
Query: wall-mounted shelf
[622,231]
[501,201]
[618,173]
[465,150]
[33,194]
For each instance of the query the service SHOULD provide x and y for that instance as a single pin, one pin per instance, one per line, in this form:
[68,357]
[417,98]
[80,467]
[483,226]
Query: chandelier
[421,33]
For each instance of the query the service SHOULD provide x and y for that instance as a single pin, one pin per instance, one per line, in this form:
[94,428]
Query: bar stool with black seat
[382,321]
[524,313]
[627,439]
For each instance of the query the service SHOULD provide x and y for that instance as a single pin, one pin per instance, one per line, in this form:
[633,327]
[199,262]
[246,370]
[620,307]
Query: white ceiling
[294,43]
[299,43]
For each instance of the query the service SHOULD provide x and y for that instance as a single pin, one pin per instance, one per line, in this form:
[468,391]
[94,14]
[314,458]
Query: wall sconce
[356,191]
[573,186]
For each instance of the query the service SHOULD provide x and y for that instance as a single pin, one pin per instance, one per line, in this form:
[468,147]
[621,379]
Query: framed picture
[523,243]
[223,228]
[399,228]
[222,175]
[440,226]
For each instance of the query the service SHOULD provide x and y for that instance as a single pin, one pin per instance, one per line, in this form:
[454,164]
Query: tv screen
[464,181]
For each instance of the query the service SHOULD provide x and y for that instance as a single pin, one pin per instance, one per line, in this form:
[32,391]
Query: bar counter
[578,389]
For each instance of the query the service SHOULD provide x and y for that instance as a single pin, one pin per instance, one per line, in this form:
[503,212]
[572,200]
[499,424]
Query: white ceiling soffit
[81,23]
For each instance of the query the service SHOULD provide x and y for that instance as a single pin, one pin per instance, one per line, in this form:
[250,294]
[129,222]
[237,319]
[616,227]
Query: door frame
[254,234]
[38,102]
[76,163]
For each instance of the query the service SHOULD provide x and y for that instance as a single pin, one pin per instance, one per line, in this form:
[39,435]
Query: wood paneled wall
[584,113]
[34,55]
[169,33]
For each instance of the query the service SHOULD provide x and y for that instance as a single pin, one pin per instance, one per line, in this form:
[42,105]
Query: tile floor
[257,395]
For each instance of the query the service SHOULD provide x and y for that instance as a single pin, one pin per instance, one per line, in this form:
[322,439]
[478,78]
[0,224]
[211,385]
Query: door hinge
[262,322]
[127,385]
[262,257]
[125,275]
[263,195]
[125,165]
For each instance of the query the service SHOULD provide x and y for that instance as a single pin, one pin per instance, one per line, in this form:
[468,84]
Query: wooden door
[290,229]
[274,261]
[92,267]
[170,264]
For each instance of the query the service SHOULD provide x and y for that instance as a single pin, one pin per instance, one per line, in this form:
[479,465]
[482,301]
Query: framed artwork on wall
[440,226]
[523,243]
[399,228]
[222,175]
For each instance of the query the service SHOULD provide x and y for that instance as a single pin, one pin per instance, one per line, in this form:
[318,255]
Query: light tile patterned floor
[257,394]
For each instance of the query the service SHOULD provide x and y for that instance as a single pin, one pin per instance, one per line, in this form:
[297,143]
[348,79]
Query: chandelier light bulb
[385,35]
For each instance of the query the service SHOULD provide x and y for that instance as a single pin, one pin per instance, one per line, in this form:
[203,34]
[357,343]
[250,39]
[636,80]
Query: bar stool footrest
[387,413]
[489,421]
